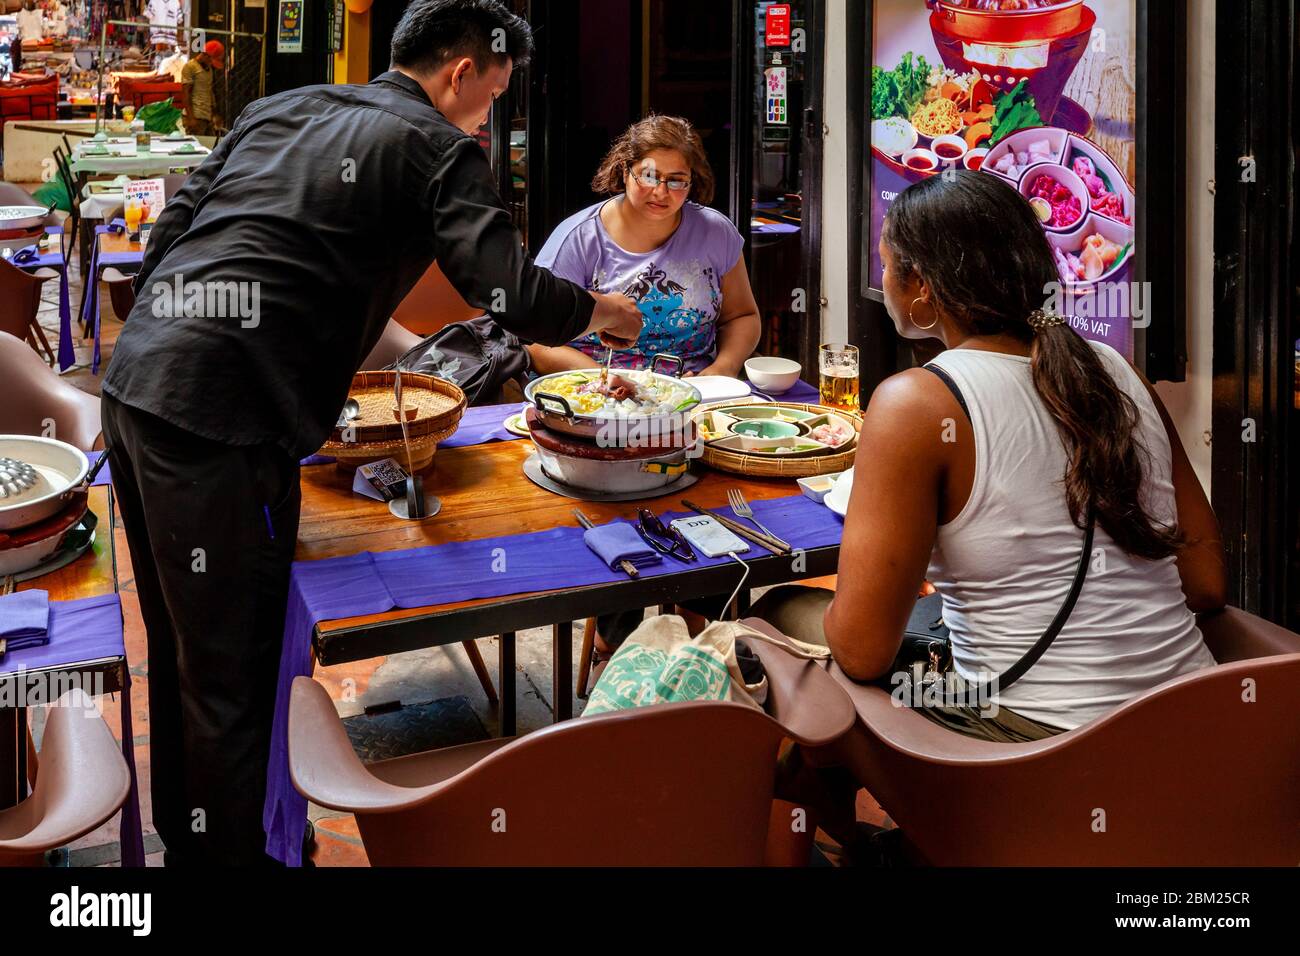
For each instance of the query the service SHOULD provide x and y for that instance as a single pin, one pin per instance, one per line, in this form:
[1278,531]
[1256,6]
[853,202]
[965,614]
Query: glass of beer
[839,376]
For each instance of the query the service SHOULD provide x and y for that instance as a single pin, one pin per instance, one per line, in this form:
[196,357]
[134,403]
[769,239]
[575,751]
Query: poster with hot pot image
[1038,92]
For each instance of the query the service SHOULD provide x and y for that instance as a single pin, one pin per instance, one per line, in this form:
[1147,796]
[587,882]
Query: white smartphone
[706,534]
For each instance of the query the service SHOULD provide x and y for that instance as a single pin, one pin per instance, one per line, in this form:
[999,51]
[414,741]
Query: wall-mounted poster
[289,27]
[1040,93]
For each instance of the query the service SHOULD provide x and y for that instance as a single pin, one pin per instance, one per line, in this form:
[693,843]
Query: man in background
[196,79]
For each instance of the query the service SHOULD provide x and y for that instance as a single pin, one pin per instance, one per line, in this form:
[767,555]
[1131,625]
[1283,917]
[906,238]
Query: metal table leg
[562,671]
[506,667]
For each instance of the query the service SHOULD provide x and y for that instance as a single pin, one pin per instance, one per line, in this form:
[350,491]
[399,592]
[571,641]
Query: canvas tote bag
[660,662]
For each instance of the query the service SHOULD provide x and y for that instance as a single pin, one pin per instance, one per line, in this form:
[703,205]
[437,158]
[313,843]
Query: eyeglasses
[650,181]
[650,528]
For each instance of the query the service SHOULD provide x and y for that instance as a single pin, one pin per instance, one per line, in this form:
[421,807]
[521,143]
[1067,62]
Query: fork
[736,498]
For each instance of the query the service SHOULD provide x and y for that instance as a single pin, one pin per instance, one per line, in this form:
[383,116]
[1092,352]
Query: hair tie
[1040,320]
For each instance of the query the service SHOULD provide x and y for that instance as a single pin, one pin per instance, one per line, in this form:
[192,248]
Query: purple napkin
[618,542]
[25,619]
[26,255]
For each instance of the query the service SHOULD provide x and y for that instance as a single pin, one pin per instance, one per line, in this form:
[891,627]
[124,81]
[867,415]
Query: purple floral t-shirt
[678,286]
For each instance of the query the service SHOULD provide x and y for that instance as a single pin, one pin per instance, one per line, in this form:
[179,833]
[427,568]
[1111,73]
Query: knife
[587,523]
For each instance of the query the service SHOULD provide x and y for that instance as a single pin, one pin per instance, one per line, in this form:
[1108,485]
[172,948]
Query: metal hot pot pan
[558,414]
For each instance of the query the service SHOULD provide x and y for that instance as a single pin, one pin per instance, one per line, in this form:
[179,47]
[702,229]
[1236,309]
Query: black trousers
[211,529]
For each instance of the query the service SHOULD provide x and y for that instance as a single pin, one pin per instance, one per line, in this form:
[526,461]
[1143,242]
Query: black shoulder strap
[952,387]
[1017,670]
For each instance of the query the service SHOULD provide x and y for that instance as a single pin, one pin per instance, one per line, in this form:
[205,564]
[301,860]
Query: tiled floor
[411,677]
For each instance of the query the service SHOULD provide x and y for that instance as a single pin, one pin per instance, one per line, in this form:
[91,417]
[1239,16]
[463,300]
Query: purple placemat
[483,424]
[86,630]
[802,393]
[372,583]
[105,476]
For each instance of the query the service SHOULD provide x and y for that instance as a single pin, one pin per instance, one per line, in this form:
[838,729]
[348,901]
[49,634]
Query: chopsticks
[775,545]
[587,523]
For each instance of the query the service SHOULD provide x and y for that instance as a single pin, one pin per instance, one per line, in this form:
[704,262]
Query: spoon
[351,409]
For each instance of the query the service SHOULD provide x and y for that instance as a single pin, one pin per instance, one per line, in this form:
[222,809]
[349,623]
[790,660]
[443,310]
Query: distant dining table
[501,556]
[119,154]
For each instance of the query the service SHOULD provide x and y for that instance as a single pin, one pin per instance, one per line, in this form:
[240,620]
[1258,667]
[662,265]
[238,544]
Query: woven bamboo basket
[767,466]
[376,432]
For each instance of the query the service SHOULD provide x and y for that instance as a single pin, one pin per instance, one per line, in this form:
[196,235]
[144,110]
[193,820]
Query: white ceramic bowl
[837,499]
[773,375]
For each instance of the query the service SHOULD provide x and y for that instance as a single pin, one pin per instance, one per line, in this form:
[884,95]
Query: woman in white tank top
[989,501]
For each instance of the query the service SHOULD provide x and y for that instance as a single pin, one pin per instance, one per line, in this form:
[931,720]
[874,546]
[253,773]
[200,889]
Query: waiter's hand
[617,320]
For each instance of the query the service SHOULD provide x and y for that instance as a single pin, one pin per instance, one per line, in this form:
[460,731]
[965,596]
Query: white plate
[719,388]
[837,499]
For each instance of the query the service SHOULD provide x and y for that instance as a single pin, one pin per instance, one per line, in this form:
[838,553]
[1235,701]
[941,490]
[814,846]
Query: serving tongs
[415,505]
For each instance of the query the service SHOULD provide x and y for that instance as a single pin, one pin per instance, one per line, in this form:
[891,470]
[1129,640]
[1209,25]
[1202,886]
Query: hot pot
[42,498]
[558,415]
[589,466]
[37,478]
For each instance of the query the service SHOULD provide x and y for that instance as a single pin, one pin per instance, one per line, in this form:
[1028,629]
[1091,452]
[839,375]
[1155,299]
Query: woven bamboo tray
[376,433]
[767,466]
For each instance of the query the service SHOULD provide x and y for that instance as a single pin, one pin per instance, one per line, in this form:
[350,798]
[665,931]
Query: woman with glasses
[659,244]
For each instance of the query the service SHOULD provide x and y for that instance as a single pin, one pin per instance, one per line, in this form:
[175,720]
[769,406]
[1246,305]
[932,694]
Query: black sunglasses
[651,528]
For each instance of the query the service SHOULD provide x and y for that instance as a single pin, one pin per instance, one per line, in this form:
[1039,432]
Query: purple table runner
[90,300]
[372,583]
[85,630]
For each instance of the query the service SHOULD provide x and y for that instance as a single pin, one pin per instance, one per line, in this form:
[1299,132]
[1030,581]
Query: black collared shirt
[271,273]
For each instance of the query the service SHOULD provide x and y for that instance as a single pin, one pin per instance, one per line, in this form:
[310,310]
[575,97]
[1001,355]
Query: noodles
[937,118]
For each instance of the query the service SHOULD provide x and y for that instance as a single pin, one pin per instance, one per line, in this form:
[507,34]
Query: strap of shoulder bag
[1017,670]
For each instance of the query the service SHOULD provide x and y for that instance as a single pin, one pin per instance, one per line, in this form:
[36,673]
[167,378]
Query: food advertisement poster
[1038,92]
[289,32]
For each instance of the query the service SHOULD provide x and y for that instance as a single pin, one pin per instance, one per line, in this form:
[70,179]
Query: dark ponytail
[980,248]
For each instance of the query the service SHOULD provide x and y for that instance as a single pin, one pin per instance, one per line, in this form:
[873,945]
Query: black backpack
[479,356]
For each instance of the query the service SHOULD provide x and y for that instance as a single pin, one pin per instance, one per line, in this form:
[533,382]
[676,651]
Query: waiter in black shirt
[268,278]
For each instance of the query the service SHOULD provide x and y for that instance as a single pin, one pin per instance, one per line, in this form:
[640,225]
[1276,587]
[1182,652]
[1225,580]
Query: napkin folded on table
[25,619]
[618,542]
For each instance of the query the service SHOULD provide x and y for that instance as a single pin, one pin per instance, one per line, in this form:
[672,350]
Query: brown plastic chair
[1186,774]
[34,393]
[121,290]
[83,780]
[683,784]
[20,301]
[433,304]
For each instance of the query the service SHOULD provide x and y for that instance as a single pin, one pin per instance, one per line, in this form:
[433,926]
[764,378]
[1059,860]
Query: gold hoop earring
[923,328]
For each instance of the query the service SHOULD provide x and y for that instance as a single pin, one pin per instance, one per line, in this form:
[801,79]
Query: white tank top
[1006,562]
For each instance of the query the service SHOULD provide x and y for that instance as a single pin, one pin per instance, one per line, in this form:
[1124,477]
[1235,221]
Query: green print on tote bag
[661,663]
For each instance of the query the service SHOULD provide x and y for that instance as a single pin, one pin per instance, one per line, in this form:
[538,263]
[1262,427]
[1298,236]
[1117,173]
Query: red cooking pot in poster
[1012,40]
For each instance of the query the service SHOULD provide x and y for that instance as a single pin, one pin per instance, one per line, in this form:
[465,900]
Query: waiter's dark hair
[977,244]
[431,32]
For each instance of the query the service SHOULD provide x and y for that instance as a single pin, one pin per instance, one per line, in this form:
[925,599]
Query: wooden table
[91,575]
[485,494]
[118,242]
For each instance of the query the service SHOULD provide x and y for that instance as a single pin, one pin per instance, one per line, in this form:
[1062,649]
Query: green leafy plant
[159,117]
[897,92]
[1013,111]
